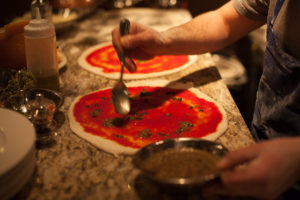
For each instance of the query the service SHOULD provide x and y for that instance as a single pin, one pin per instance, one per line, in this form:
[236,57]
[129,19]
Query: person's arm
[205,33]
[270,168]
[208,32]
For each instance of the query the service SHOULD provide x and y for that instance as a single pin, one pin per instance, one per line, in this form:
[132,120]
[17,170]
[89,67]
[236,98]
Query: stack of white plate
[17,152]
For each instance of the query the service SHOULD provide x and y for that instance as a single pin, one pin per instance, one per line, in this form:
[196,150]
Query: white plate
[231,70]
[17,139]
[16,178]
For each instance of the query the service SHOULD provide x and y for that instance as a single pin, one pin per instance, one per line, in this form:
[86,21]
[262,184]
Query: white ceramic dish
[231,70]
[17,152]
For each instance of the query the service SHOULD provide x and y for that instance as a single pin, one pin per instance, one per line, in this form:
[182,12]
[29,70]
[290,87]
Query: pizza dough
[159,110]
[102,59]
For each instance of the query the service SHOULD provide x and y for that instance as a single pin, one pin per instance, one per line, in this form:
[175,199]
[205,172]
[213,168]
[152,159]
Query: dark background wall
[12,8]
[200,6]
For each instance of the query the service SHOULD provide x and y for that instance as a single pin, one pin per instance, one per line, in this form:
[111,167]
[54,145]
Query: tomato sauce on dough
[156,113]
[107,59]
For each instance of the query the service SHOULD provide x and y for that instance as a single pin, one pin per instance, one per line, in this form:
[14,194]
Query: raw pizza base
[116,148]
[127,76]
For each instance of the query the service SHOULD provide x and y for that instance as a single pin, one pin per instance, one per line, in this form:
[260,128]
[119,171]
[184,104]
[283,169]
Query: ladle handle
[124,26]
[124,30]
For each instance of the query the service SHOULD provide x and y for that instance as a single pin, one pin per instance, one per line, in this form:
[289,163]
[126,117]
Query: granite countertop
[71,168]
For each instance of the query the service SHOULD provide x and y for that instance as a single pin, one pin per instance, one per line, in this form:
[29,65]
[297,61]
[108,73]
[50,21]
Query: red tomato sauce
[106,58]
[156,114]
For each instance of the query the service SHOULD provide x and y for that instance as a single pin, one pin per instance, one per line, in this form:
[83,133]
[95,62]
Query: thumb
[237,157]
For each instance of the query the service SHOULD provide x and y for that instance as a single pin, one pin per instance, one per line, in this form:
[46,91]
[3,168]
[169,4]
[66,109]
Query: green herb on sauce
[87,106]
[201,109]
[95,113]
[137,116]
[184,127]
[163,134]
[191,107]
[114,122]
[96,105]
[142,114]
[118,136]
[168,115]
[108,122]
[179,99]
[104,98]
[144,134]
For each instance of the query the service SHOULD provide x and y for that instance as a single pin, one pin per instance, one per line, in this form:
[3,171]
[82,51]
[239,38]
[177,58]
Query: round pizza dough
[127,76]
[114,147]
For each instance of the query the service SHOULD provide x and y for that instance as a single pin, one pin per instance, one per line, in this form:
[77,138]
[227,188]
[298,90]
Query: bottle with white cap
[41,54]
[45,9]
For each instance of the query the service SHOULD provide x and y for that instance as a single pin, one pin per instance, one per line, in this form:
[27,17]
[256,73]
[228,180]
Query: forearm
[208,32]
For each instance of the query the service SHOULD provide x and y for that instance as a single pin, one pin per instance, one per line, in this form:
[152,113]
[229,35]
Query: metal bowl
[24,96]
[213,148]
[38,105]
[21,101]
[48,94]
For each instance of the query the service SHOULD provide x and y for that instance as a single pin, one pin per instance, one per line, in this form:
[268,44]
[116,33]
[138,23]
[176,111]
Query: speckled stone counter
[70,167]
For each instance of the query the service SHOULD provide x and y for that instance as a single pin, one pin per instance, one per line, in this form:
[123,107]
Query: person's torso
[287,24]
[277,110]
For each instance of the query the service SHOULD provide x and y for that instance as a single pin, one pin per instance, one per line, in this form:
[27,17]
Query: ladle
[120,94]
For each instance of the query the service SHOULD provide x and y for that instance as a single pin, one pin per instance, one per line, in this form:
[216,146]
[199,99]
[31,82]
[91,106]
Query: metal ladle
[120,94]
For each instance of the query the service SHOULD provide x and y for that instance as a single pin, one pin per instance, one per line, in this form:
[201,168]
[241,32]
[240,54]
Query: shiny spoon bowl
[120,94]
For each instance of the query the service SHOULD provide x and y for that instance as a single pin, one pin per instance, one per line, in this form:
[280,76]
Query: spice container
[181,163]
[41,54]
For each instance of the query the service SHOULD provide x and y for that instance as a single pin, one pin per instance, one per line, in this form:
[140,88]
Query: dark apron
[277,109]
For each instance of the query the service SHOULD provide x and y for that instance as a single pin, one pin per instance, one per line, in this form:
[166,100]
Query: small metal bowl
[48,94]
[19,100]
[38,105]
[158,148]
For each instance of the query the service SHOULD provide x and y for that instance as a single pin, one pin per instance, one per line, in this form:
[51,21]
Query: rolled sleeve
[252,9]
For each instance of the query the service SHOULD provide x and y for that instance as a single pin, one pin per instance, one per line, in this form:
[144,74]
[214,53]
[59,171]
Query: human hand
[142,43]
[271,168]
